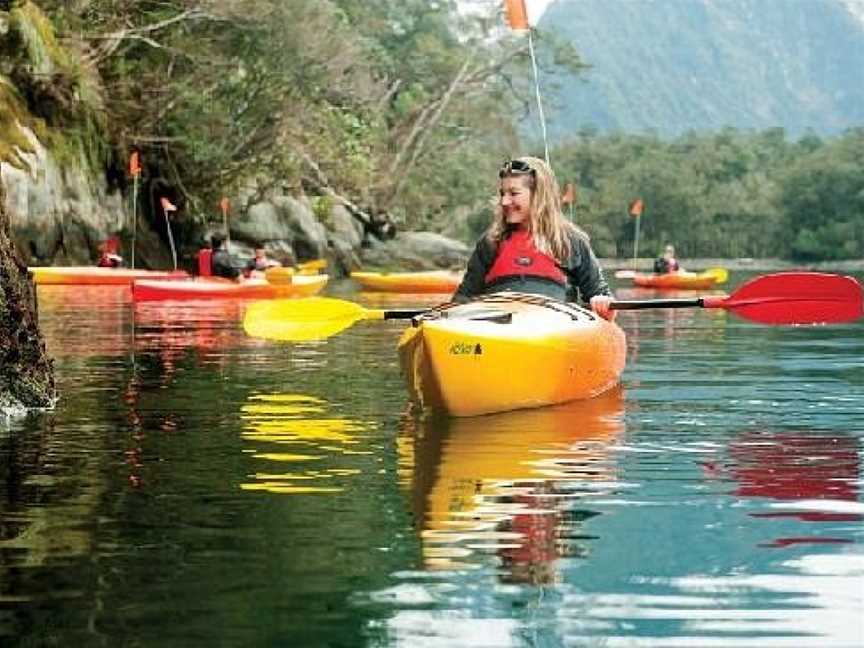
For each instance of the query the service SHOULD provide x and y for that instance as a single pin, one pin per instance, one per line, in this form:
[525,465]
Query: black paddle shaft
[408,313]
[641,304]
[635,304]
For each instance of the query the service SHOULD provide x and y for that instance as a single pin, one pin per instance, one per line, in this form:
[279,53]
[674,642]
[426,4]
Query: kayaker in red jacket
[531,247]
[108,257]
[667,263]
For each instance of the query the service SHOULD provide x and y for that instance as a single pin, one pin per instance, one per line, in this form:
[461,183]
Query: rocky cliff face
[58,214]
[58,205]
[26,371]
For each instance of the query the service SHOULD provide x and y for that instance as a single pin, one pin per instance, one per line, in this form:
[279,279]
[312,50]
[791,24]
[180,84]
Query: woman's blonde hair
[551,231]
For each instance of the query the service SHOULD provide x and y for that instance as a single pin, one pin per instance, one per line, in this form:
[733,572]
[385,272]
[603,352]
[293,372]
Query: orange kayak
[432,281]
[676,280]
[96,276]
[214,288]
[509,351]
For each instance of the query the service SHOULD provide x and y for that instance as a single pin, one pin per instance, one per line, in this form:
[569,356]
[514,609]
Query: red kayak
[215,288]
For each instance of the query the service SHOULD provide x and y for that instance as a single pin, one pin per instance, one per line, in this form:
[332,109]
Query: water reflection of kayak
[505,484]
[299,446]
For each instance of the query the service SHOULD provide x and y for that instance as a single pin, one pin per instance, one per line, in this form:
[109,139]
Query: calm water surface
[195,487]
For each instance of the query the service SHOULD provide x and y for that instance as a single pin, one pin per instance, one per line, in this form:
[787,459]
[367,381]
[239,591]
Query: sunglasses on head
[514,167]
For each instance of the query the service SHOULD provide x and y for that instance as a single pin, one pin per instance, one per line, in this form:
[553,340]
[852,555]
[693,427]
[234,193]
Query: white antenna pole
[537,92]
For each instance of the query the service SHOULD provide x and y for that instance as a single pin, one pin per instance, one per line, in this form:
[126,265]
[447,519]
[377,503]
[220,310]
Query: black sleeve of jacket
[223,265]
[474,280]
[584,272]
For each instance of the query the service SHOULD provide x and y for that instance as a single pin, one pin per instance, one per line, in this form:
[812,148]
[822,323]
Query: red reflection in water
[83,321]
[789,467]
[505,484]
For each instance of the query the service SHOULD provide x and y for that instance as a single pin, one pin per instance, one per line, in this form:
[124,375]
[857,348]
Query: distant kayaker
[221,264]
[260,262]
[667,262]
[531,247]
[108,257]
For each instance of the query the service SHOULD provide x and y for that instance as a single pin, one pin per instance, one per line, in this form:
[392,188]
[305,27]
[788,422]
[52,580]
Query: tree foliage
[394,103]
[408,107]
[728,194]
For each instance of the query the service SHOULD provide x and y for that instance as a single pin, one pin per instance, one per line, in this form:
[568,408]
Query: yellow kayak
[432,281]
[681,280]
[96,276]
[509,351]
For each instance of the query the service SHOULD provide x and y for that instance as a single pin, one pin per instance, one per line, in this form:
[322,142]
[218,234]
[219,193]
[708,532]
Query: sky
[535,9]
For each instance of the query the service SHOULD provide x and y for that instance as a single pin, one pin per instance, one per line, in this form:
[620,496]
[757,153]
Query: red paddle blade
[795,298]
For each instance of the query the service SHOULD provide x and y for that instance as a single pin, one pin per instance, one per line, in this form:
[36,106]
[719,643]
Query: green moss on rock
[13,115]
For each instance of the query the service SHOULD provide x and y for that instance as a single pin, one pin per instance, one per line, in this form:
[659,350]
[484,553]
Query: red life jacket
[518,257]
[205,268]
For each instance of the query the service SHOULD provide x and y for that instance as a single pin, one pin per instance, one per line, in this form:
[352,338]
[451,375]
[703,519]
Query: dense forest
[728,194]
[406,108]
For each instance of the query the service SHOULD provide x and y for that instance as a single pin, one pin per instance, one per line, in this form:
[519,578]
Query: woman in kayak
[531,247]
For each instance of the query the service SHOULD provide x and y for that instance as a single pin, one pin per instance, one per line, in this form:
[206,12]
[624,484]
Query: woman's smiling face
[514,196]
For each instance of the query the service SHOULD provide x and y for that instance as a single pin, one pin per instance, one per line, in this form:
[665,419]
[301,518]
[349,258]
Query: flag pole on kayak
[517,19]
[224,204]
[135,172]
[636,208]
[569,198]
[797,298]
[167,207]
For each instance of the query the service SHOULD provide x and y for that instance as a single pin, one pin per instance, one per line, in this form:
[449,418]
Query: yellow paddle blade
[279,275]
[720,274]
[300,320]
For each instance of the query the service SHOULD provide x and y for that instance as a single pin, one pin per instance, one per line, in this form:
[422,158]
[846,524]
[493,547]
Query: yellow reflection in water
[507,485]
[296,430]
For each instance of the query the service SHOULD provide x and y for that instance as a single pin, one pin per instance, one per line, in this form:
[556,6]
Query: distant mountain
[669,66]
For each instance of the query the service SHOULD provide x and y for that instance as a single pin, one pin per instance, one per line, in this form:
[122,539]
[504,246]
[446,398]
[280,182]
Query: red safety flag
[224,204]
[134,165]
[517,14]
[569,196]
[636,208]
[167,206]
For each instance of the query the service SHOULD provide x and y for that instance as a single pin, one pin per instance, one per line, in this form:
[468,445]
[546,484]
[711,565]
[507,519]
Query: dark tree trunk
[26,371]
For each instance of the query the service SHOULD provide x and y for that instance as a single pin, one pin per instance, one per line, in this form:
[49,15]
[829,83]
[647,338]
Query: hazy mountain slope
[675,65]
